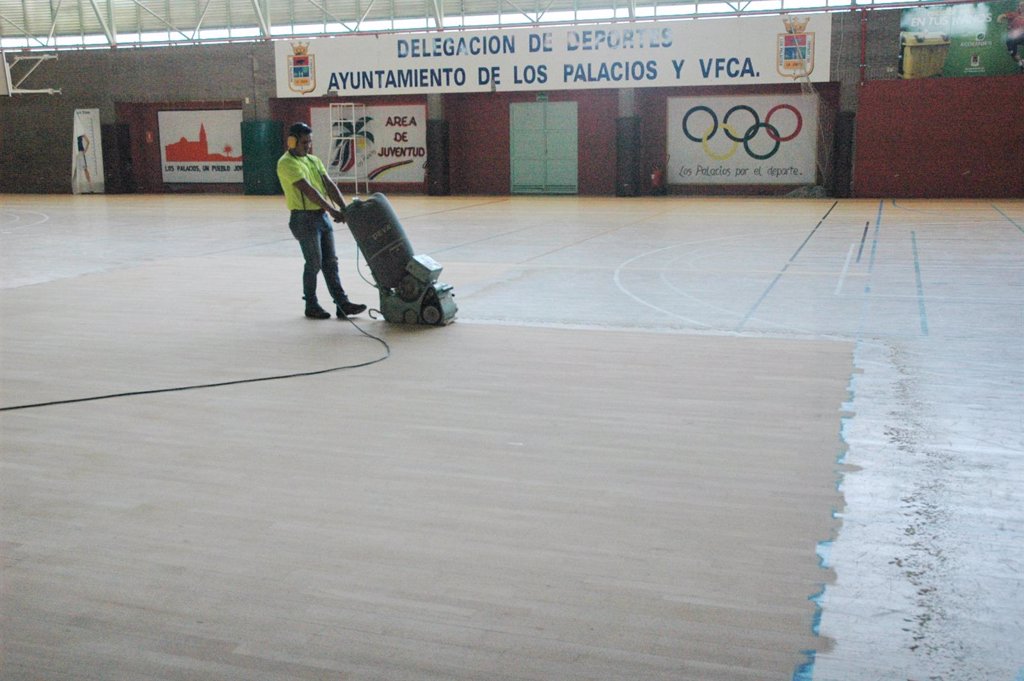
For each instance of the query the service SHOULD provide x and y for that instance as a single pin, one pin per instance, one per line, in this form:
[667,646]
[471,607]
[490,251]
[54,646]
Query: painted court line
[846,266]
[871,270]
[863,236]
[1012,221]
[15,225]
[920,287]
[750,312]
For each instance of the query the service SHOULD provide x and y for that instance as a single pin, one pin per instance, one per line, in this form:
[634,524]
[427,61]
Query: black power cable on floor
[387,353]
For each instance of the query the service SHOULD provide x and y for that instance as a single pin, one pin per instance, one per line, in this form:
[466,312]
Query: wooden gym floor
[667,438]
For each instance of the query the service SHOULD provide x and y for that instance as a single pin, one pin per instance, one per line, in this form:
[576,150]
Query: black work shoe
[349,309]
[316,312]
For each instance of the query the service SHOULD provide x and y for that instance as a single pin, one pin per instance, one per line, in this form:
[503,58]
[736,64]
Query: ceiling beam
[111,36]
[28,35]
[264,21]
[544,11]
[325,11]
[516,7]
[366,13]
[53,25]
[159,18]
[202,17]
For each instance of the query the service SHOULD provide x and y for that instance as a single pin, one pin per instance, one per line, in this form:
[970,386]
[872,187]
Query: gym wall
[892,118]
[35,144]
[941,137]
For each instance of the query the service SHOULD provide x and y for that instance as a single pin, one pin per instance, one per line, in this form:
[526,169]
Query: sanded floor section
[492,502]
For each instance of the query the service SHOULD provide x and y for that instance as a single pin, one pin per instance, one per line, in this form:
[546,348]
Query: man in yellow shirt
[311,197]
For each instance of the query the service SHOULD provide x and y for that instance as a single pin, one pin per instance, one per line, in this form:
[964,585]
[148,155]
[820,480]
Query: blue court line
[874,252]
[1012,221]
[920,287]
[871,269]
[874,242]
[750,312]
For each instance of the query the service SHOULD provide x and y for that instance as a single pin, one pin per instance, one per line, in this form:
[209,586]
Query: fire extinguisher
[657,181]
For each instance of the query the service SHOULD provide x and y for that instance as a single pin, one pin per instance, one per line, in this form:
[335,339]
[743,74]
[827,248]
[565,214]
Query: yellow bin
[922,54]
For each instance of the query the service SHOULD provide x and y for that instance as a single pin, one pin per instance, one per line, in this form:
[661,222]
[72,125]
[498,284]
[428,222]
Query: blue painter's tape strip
[823,550]
[805,671]
[816,599]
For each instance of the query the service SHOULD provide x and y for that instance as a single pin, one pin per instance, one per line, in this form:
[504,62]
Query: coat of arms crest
[301,69]
[795,48]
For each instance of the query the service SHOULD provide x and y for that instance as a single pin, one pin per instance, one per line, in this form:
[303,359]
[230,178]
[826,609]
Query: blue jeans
[315,235]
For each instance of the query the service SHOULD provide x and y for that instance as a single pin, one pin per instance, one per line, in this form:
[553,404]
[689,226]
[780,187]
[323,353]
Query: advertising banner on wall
[392,138]
[980,39]
[87,153]
[201,146]
[728,51]
[763,139]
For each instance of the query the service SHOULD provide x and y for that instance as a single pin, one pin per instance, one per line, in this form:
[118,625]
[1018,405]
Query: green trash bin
[261,147]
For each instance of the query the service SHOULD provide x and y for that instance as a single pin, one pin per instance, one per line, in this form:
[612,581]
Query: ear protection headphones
[295,132]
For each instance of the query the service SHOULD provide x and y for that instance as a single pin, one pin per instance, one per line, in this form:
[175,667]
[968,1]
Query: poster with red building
[201,146]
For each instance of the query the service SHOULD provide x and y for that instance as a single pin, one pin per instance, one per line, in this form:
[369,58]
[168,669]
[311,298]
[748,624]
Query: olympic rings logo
[746,137]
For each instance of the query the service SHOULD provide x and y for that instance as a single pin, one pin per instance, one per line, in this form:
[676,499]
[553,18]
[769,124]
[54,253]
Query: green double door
[544,148]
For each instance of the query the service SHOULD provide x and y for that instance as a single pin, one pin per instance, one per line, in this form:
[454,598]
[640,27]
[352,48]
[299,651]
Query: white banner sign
[392,138]
[733,51]
[87,153]
[763,139]
[201,146]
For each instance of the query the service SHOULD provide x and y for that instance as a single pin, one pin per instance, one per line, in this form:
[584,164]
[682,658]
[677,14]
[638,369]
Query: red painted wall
[479,158]
[478,139]
[940,138]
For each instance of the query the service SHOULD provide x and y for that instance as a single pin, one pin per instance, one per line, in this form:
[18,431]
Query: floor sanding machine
[409,290]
